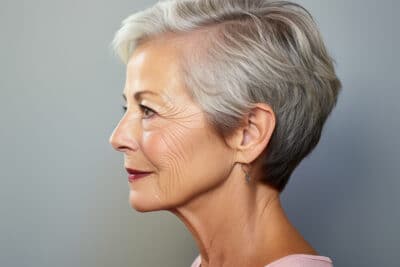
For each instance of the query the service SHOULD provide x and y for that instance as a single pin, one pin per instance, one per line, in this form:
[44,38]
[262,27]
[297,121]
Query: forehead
[154,66]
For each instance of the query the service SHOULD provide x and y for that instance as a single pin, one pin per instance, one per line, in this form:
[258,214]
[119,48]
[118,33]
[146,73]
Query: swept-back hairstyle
[244,52]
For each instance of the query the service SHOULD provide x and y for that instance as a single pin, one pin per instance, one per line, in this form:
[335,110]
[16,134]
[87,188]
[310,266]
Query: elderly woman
[224,98]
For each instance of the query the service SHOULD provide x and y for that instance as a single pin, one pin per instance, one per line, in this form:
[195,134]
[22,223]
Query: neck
[237,223]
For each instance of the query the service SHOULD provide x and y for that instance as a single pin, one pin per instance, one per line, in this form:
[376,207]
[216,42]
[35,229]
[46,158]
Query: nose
[123,138]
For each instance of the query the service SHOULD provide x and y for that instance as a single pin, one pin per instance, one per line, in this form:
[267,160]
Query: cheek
[152,146]
[165,148]
[188,159]
[169,153]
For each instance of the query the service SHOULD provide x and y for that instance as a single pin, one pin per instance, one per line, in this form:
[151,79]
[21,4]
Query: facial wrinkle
[173,157]
[176,111]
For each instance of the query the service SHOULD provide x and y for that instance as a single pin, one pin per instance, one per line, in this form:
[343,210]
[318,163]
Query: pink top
[294,260]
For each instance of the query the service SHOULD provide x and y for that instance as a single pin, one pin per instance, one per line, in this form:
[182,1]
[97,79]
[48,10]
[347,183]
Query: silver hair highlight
[241,52]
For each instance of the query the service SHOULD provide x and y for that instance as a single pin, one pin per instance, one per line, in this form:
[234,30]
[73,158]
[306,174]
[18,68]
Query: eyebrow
[139,94]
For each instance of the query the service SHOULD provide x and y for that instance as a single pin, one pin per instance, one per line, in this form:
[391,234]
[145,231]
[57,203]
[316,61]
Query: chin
[146,203]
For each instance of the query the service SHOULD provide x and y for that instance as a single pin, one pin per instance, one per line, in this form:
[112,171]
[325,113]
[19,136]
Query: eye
[148,112]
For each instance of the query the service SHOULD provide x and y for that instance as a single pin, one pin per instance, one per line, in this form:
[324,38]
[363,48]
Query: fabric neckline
[309,256]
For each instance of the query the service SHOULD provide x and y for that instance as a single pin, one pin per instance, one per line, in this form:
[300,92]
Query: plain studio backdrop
[63,189]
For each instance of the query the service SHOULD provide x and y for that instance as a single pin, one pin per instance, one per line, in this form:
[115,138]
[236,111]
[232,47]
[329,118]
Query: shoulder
[299,260]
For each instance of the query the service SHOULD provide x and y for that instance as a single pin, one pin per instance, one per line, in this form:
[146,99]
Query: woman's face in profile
[164,132]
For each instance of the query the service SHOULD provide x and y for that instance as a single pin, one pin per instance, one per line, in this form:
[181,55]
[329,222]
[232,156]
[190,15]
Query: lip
[136,174]
[133,171]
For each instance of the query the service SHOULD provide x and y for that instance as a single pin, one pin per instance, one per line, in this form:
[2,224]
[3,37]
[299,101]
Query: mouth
[136,174]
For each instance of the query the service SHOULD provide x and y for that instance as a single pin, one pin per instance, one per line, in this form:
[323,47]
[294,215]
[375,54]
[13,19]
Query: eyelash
[143,108]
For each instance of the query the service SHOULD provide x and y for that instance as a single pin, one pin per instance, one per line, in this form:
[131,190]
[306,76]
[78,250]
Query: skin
[196,174]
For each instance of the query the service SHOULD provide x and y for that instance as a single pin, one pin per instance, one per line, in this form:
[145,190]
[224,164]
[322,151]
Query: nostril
[123,149]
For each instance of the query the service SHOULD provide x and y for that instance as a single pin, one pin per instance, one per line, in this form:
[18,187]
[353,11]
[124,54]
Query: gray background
[63,191]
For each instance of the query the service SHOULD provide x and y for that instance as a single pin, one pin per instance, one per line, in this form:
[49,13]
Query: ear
[250,140]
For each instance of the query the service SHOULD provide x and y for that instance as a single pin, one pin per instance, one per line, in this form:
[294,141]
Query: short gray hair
[248,51]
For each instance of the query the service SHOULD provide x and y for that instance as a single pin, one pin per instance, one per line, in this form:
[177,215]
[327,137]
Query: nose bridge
[125,135]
